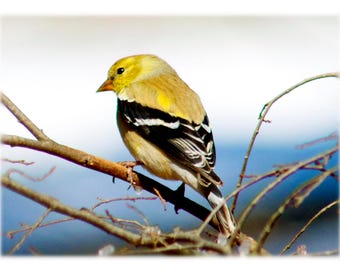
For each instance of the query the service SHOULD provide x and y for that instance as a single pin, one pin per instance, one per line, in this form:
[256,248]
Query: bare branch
[23,119]
[323,210]
[295,199]
[111,168]
[23,162]
[178,242]
[145,240]
[84,215]
[28,233]
[262,116]
[284,174]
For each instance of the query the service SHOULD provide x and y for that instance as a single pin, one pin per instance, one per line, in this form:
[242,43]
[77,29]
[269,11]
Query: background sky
[52,66]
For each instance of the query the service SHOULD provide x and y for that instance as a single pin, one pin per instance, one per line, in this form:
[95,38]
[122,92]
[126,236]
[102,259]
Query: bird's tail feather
[223,215]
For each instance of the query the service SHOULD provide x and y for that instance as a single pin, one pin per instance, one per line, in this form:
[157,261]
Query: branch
[29,232]
[261,118]
[145,239]
[295,199]
[283,173]
[323,210]
[46,145]
[23,119]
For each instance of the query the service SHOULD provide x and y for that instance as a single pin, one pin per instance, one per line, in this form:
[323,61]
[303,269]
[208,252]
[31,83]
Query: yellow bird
[165,127]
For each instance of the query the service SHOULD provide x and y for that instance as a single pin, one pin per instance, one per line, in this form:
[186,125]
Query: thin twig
[23,162]
[55,205]
[105,201]
[284,175]
[295,199]
[34,179]
[333,136]
[262,116]
[28,233]
[10,234]
[273,173]
[323,210]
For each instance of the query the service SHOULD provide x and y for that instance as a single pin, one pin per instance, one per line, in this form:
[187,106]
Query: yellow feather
[151,82]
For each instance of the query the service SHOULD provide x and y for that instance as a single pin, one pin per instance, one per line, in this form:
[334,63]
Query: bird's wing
[188,143]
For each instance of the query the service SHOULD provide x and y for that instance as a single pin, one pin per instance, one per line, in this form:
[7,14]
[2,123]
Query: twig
[295,199]
[262,116]
[105,201]
[57,206]
[140,213]
[324,209]
[10,234]
[23,162]
[138,240]
[34,179]
[273,173]
[332,136]
[124,222]
[28,233]
[285,173]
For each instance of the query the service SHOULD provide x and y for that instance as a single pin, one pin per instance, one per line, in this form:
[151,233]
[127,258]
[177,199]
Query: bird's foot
[129,165]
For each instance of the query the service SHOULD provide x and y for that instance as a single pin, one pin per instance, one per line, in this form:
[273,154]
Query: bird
[165,127]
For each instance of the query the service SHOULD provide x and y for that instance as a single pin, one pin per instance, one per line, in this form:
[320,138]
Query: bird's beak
[106,86]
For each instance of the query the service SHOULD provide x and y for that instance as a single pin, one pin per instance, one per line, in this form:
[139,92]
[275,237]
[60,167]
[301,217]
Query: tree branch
[23,119]
[145,239]
[46,145]
[261,118]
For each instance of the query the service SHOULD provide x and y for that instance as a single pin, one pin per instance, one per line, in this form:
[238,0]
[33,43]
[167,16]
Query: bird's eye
[120,70]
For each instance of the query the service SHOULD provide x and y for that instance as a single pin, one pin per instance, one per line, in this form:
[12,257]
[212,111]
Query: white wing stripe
[153,122]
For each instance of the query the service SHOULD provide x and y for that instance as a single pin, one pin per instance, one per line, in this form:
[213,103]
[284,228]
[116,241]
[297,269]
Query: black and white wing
[188,143]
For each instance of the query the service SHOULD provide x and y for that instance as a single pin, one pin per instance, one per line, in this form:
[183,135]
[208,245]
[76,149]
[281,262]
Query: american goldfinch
[165,127]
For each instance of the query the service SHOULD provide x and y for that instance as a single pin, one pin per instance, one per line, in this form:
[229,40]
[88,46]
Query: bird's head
[133,69]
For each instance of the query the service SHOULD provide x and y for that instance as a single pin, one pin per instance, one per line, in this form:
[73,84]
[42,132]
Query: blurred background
[53,65]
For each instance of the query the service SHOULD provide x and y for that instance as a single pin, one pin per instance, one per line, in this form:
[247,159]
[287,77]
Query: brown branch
[145,240]
[261,118]
[23,119]
[10,234]
[46,145]
[111,168]
[55,205]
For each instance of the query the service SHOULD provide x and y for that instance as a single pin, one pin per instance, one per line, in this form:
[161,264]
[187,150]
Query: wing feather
[188,143]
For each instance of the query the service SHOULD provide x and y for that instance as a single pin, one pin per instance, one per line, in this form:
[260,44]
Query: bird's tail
[225,218]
